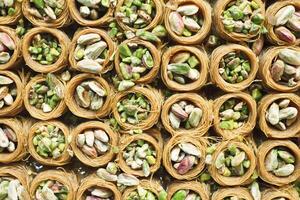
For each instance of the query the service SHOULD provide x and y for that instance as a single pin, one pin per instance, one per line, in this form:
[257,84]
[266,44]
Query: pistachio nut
[285,34]
[185,195]
[112,168]
[160,31]
[127,180]
[46,95]
[186,21]
[213,41]
[146,35]
[51,189]
[285,170]
[205,177]
[66,76]
[256,91]
[280,162]
[45,49]
[99,193]
[271,161]
[277,70]
[258,45]
[255,191]
[233,114]
[125,84]
[282,114]
[49,142]
[283,15]
[134,108]
[180,194]
[290,56]
[106,175]
[176,23]
[185,156]
[294,22]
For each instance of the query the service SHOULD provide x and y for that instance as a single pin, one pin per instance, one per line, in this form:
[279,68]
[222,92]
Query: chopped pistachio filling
[134,108]
[185,195]
[183,68]
[233,114]
[136,61]
[234,67]
[45,49]
[185,114]
[8,91]
[51,189]
[285,69]
[184,157]
[137,13]
[46,95]
[141,193]
[93,9]
[49,141]
[140,155]
[282,114]
[7,47]
[90,95]
[186,21]
[11,188]
[7,8]
[243,16]
[98,193]
[8,139]
[47,10]
[280,162]
[232,162]
[91,52]
[93,142]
